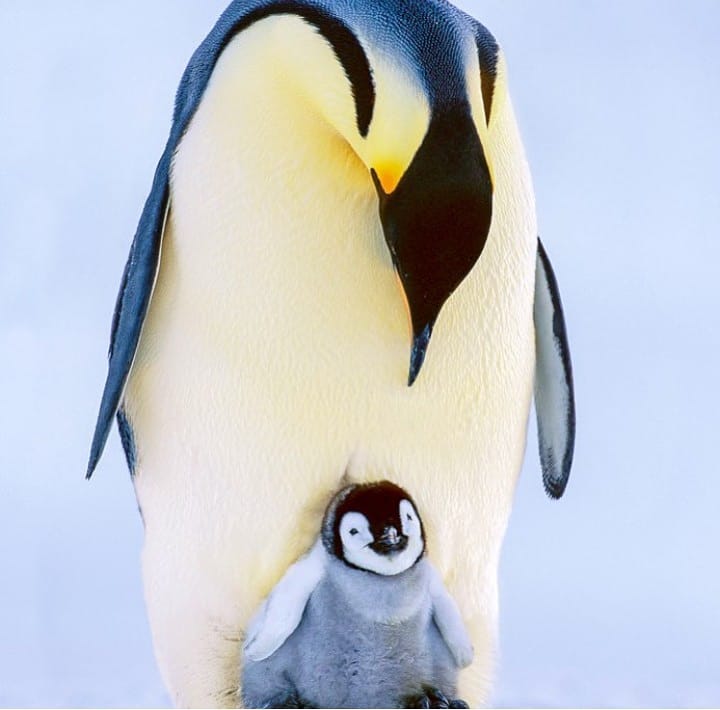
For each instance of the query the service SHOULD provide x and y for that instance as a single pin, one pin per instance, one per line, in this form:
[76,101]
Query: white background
[608,597]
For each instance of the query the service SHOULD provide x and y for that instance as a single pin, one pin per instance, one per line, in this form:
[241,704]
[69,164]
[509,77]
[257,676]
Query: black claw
[289,700]
[430,698]
[416,701]
[437,698]
[457,703]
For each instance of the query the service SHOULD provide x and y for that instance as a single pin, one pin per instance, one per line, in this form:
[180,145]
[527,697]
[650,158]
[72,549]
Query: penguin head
[408,90]
[374,527]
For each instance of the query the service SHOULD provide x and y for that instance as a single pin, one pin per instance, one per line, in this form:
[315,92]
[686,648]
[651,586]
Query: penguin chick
[362,620]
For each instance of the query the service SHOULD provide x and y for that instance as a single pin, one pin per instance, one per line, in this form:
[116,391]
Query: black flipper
[554,392]
[133,300]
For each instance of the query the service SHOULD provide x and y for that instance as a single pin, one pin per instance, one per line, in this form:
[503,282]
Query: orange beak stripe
[389,174]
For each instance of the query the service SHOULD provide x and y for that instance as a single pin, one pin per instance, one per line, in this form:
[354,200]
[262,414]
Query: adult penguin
[334,274]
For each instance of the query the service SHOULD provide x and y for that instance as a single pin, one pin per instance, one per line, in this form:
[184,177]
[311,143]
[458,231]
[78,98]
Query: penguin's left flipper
[280,614]
[554,392]
[446,616]
[141,269]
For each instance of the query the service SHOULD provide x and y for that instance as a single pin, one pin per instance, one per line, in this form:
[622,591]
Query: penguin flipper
[447,618]
[280,614]
[554,392]
[136,289]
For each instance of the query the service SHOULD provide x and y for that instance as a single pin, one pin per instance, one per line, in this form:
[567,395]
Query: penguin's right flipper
[136,288]
[554,392]
[280,614]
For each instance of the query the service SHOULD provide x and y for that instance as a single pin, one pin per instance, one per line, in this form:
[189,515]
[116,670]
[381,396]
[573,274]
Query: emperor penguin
[362,620]
[336,274]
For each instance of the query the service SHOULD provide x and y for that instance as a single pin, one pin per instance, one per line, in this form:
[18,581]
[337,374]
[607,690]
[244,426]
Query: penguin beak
[390,535]
[390,541]
[436,219]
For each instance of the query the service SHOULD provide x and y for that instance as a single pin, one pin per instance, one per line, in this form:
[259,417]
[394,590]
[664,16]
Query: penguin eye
[353,531]
[409,517]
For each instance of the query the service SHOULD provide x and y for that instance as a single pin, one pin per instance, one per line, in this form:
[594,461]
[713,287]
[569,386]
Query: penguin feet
[287,700]
[432,698]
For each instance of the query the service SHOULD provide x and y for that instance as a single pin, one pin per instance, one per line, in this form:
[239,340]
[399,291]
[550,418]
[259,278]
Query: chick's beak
[390,541]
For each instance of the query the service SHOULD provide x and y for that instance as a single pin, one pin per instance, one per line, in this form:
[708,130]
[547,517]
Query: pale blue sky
[608,597]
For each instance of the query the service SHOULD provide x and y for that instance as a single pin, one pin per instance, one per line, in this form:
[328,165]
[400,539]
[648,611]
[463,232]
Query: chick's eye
[409,517]
[353,531]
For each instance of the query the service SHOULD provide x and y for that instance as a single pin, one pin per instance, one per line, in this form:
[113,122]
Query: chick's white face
[382,548]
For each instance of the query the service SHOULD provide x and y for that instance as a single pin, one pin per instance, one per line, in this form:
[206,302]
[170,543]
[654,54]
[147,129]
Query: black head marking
[378,502]
[487,54]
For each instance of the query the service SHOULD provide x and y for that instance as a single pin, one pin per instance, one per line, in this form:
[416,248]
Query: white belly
[274,360]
